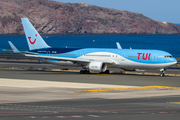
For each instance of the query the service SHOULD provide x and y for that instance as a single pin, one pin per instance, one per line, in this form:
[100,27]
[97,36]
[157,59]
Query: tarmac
[40,94]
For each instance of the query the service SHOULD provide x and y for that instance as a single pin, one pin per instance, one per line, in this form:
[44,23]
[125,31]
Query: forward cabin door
[154,58]
[123,55]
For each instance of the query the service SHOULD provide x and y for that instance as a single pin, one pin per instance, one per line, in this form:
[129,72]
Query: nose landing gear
[162,74]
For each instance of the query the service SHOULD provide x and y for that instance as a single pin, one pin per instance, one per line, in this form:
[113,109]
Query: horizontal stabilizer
[15,50]
[7,50]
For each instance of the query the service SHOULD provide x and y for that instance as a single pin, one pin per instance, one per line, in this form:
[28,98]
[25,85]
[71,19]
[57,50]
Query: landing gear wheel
[106,72]
[162,75]
[84,72]
[162,72]
[81,72]
[87,72]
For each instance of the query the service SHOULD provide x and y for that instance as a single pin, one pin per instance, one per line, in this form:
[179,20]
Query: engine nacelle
[97,66]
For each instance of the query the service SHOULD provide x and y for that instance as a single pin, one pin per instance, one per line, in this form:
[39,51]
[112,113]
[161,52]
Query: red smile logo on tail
[31,41]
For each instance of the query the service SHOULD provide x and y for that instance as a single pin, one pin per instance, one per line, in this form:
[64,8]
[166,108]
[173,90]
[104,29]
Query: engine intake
[97,66]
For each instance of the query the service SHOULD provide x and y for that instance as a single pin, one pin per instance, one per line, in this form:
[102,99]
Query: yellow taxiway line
[175,102]
[132,88]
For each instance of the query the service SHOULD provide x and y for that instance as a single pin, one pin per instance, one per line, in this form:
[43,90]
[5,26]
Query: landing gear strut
[162,72]
[84,72]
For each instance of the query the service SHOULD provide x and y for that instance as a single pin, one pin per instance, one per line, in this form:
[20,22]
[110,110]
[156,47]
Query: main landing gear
[106,72]
[88,72]
[84,72]
[162,74]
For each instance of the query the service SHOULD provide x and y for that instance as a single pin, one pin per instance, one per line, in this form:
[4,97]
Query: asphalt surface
[112,79]
[42,65]
[157,108]
[162,108]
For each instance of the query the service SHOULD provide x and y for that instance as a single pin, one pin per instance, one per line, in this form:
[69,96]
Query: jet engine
[97,66]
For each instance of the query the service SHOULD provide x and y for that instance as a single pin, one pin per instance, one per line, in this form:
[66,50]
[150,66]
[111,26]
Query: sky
[161,10]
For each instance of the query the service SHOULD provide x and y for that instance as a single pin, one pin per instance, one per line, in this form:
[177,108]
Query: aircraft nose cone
[174,61]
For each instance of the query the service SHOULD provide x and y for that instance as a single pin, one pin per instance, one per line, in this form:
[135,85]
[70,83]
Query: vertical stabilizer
[34,40]
[118,45]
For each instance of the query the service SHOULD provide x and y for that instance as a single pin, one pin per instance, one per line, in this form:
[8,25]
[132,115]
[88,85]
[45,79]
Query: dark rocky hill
[50,17]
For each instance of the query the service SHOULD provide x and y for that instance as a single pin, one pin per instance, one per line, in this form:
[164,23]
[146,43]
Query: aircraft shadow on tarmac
[77,73]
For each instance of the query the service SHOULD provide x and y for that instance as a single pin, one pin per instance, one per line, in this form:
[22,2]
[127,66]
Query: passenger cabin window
[95,55]
[168,56]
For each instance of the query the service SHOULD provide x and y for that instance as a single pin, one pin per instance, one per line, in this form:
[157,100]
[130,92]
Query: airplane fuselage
[120,58]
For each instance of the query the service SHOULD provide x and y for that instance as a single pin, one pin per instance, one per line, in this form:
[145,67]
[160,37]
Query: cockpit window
[168,56]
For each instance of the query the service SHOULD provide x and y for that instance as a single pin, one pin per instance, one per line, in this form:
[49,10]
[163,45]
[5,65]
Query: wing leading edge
[75,60]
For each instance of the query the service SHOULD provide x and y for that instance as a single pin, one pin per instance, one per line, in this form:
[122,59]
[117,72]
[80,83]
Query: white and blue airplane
[94,59]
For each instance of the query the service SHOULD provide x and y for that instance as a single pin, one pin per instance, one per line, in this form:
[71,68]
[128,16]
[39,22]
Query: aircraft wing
[75,60]
[36,55]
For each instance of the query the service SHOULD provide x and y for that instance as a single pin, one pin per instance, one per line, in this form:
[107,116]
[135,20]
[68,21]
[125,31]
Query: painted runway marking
[132,88]
[94,116]
[76,116]
[175,102]
[99,111]
[61,116]
[29,108]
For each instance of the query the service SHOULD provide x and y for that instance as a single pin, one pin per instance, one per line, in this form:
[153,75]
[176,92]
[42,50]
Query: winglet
[118,45]
[15,50]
